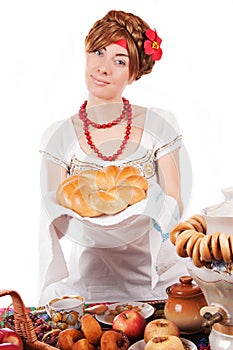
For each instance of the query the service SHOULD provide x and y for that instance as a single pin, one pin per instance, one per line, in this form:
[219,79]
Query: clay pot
[185,300]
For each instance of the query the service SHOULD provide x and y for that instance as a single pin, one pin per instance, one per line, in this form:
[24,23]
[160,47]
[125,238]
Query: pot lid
[185,289]
[223,209]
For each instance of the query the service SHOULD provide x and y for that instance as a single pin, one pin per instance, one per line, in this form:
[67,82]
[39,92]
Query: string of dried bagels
[190,239]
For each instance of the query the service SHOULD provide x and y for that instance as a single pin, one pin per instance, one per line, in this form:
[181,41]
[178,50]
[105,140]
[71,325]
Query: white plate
[147,310]
[140,345]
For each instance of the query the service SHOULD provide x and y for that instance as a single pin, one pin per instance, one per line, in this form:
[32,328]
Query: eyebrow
[122,54]
[118,54]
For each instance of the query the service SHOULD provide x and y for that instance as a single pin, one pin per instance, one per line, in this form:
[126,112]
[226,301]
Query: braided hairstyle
[117,25]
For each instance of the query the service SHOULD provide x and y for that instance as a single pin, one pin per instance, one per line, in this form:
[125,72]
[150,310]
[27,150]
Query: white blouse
[127,256]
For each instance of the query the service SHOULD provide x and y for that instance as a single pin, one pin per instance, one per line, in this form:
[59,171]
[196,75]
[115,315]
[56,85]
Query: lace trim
[169,147]
[55,160]
[146,164]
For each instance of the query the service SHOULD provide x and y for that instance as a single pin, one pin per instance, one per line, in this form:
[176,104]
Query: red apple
[8,346]
[130,322]
[10,336]
[168,342]
[160,327]
[1,336]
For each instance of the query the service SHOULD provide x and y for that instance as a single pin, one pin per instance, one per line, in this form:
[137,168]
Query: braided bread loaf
[191,240]
[96,192]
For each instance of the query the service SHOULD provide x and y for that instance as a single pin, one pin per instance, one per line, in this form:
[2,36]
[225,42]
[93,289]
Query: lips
[99,82]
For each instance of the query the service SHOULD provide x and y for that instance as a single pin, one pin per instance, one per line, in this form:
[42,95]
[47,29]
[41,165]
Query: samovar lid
[223,209]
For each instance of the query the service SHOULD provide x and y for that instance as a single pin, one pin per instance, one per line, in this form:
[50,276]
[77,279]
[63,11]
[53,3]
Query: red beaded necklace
[126,114]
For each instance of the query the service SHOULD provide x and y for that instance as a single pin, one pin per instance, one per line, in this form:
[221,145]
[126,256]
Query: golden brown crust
[134,180]
[190,239]
[215,246]
[196,256]
[205,249]
[68,337]
[180,227]
[201,220]
[109,191]
[182,241]
[191,242]
[230,239]
[113,340]
[91,329]
[63,197]
[80,199]
[225,248]
[83,344]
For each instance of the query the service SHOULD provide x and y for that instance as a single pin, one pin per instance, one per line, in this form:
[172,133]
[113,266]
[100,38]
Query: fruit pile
[128,327]
[10,340]
[44,330]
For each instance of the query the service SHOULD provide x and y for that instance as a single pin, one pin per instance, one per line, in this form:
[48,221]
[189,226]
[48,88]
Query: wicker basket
[23,323]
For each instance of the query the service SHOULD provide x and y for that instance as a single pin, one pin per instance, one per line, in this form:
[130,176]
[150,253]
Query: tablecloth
[201,339]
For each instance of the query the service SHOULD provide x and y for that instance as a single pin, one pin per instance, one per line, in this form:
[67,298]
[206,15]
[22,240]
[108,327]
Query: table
[200,339]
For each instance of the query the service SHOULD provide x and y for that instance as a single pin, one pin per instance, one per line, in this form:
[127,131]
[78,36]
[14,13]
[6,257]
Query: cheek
[90,63]
[123,79]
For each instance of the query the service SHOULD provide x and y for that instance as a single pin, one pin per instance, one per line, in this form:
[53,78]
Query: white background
[42,80]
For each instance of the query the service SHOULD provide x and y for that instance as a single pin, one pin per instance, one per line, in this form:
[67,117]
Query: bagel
[181,243]
[178,228]
[68,337]
[205,248]
[196,256]
[190,239]
[230,240]
[93,193]
[225,247]
[201,220]
[215,246]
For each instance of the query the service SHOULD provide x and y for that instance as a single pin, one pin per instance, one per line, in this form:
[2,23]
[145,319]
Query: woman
[126,256]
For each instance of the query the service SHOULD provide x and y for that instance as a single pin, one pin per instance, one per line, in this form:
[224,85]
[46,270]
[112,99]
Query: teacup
[66,311]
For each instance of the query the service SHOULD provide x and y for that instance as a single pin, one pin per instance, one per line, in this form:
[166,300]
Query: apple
[1,336]
[8,335]
[8,346]
[160,327]
[167,342]
[130,322]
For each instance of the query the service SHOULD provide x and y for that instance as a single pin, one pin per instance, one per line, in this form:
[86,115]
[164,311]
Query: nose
[102,70]
[104,67]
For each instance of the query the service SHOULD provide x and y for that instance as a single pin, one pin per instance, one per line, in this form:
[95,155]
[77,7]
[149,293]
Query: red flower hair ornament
[152,45]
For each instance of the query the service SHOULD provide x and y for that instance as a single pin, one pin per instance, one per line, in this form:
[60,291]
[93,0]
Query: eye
[98,52]
[120,62]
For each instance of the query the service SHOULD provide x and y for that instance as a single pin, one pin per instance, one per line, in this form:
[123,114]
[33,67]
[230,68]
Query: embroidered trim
[146,164]
[169,147]
[56,160]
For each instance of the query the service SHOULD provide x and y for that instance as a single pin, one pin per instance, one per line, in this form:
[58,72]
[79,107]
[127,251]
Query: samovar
[206,241]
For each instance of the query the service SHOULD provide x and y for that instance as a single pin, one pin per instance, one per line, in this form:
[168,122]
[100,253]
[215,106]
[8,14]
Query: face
[107,73]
